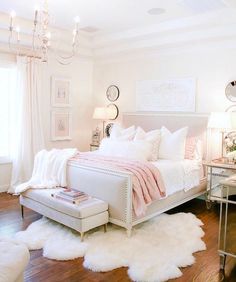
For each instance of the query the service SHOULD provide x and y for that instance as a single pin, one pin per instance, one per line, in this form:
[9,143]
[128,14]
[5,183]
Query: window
[7,82]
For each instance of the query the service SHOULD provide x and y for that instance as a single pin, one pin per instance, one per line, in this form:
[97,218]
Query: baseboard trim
[4,188]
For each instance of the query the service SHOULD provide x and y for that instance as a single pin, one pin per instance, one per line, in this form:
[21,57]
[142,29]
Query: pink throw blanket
[147,181]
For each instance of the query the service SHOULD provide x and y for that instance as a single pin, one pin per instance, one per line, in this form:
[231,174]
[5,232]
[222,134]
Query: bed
[115,187]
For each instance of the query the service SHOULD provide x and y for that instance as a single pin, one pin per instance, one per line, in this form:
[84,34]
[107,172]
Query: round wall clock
[230,91]
[112,93]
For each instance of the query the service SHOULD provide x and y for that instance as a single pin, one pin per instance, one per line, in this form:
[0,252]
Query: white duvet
[179,175]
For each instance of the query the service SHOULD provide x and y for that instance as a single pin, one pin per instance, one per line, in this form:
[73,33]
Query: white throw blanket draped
[49,170]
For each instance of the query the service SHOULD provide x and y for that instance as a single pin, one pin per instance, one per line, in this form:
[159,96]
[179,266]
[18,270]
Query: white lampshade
[100,113]
[111,112]
[220,120]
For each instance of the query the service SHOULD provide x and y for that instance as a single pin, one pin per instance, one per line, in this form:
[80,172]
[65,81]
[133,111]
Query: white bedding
[179,175]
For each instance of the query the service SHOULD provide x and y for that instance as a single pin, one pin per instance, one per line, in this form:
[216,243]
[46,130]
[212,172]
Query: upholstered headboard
[197,123]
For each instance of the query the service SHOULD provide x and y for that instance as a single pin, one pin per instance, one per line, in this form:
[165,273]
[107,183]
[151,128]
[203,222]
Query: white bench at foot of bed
[83,217]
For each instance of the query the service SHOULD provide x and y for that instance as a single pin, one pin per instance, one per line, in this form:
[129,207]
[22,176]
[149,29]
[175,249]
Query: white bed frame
[115,187]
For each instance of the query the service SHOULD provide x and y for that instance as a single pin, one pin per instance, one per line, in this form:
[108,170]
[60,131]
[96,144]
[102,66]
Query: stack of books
[71,196]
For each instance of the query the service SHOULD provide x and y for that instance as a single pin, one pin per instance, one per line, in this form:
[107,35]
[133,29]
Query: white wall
[80,72]
[213,69]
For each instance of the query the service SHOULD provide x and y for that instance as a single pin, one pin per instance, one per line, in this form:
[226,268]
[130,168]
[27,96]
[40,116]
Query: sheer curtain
[26,126]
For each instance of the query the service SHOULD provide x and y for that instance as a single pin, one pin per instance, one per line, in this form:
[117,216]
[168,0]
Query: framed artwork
[171,95]
[60,91]
[113,93]
[61,125]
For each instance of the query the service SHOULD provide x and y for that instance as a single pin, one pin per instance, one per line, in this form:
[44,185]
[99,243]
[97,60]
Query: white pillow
[153,136]
[119,133]
[136,150]
[172,145]
[198,155]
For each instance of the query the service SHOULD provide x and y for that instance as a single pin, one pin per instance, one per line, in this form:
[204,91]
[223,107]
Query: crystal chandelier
[41,37]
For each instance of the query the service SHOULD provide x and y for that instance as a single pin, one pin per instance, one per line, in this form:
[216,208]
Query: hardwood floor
[206,268]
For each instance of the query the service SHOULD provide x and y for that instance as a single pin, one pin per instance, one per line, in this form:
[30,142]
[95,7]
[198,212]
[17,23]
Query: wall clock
[230,91]
[112,93]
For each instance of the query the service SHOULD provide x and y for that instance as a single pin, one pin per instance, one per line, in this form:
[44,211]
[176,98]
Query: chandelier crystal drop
[40,37]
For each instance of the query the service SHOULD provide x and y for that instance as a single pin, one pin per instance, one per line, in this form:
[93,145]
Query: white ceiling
[114,15]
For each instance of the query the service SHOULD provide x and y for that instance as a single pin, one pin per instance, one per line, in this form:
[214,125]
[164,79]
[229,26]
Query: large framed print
[171,95]
[60,91]
[61,123]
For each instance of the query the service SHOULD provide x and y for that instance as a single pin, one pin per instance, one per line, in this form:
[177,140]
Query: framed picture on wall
[168,95]
[61,123]
[60,91]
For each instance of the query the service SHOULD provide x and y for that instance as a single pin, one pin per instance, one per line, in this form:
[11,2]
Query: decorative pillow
[154,137]
[119,133]
[172,145]
[198,153]
[136,150]
[190,147]
[193,149]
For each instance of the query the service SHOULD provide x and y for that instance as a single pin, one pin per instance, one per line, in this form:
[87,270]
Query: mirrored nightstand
[217,170]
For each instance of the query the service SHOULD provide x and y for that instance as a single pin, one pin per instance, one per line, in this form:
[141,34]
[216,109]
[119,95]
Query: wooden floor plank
[205,269]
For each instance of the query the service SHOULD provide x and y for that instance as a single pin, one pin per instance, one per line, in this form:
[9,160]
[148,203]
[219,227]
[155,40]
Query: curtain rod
[21,55]
[29,56]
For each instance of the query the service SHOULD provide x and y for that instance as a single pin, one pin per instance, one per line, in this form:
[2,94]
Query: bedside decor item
[113,93]
[94,147]
[230,91]
[96,134]
[108,129]
[104,113]
[61,126]
[230,141]
[220,121]
[60,92]
[100,113]
[112,111]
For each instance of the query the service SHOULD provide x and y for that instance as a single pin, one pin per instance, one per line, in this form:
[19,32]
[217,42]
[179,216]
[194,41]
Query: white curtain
[26,126]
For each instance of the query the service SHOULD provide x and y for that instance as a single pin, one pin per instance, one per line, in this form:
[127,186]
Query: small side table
[221,169]
[94,147]
[224,248]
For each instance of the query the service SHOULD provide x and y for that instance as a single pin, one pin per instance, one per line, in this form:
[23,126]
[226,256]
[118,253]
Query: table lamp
[100,113]
[222,122]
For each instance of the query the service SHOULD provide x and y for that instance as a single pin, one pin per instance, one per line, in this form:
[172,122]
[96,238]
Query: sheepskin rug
[155,251]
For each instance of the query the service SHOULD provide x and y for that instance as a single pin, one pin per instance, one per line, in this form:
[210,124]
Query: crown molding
[189,34]
[200,31]
[161,52]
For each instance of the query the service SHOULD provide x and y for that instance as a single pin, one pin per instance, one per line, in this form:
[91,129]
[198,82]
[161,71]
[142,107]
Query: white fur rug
[155,251]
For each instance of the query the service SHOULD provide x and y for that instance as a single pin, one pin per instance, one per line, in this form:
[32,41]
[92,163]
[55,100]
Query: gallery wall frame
[61,123]
[166,95]
[60,91]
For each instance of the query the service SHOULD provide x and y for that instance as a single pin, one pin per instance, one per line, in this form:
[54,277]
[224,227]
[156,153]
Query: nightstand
[227,241]
[94,147]
[217,170]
